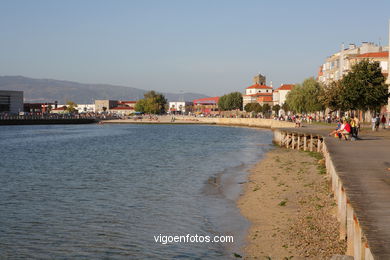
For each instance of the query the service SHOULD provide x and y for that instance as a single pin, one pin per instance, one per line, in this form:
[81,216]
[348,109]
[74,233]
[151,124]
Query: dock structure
[359,174]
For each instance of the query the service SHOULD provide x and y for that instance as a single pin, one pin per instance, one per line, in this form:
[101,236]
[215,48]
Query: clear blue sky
[205,46]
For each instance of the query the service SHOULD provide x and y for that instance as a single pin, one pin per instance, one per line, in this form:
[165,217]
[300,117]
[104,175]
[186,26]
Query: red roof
[122,108]
[286,87]
[257,86]
[209,100]
[264,99]
[383,54]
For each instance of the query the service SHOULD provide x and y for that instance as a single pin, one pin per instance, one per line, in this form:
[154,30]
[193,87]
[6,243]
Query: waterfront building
[11,101]
[341,62]
[262,100]
[280,94]
[38,107]
[104,105]
[58,110]
[85,108]
[206,106]
[258,91]
[115,106]
[180,107]
[122,110]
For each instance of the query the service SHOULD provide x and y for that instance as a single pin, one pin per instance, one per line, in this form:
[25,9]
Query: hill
[49,90]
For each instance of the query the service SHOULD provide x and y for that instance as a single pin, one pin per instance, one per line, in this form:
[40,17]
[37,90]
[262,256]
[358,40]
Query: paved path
[364,168]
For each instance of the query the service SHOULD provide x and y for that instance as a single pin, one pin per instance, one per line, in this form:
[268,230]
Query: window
[5,103]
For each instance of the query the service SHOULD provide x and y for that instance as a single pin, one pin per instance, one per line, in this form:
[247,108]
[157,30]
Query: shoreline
[290,208]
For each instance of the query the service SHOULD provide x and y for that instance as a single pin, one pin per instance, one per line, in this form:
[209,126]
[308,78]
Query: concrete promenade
[364,169]
[360,175]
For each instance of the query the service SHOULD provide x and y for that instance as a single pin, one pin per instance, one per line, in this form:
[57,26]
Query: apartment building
[341,62]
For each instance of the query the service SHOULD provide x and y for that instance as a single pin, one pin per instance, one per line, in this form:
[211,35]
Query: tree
[257,108]
[230,101]
[248,107]
[152,103]
[266,108]
[222,104]
[304,98]
[70,107]
[285,107]
[331,97]
[364,88]
[140,106]
[276,108]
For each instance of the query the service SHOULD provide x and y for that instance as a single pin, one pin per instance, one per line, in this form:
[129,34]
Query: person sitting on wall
[346,130]
[336,131]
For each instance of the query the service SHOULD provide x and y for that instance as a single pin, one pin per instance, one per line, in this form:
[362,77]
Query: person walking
[383,121]
[353,128]
[357,125]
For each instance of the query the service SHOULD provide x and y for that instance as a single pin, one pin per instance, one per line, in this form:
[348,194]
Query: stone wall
[252,122]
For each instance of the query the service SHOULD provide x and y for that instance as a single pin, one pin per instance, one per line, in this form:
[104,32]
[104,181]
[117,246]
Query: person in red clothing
[345,129]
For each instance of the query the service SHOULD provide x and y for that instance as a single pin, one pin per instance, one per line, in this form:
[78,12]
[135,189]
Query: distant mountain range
[49,90]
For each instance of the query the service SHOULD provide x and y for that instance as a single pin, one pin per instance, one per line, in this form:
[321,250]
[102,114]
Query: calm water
[105,191]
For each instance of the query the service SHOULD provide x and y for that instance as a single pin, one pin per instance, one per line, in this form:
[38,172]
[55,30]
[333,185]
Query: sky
[211,47]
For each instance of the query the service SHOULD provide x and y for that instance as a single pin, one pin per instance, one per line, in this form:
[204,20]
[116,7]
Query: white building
[181,107]
[85,108]
[280,94]
[341,62]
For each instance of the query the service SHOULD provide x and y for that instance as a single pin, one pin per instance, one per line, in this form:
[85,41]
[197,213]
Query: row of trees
[265,109]
[230,101]
[363,88]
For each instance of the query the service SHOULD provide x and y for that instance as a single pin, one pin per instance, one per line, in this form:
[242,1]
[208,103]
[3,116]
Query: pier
[359,174]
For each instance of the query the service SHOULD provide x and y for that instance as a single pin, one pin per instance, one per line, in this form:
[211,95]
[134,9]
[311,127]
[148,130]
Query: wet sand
[291,208]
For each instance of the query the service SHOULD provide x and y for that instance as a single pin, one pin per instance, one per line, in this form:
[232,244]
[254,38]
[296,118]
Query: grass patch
[315,155]
[283,203]
[256,188]
[321,169]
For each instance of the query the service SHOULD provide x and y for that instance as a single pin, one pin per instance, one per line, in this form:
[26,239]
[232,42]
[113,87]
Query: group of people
[347,126]
[376,121]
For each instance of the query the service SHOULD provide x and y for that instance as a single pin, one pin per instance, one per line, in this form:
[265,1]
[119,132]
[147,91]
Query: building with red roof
[381,57]
[258,91]
[206,106]
[340,63]
[280,93]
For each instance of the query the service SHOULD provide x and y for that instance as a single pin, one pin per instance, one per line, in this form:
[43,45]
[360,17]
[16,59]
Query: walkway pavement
[364,168]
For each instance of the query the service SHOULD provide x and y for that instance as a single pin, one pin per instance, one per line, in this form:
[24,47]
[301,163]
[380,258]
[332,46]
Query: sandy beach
[291,208]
